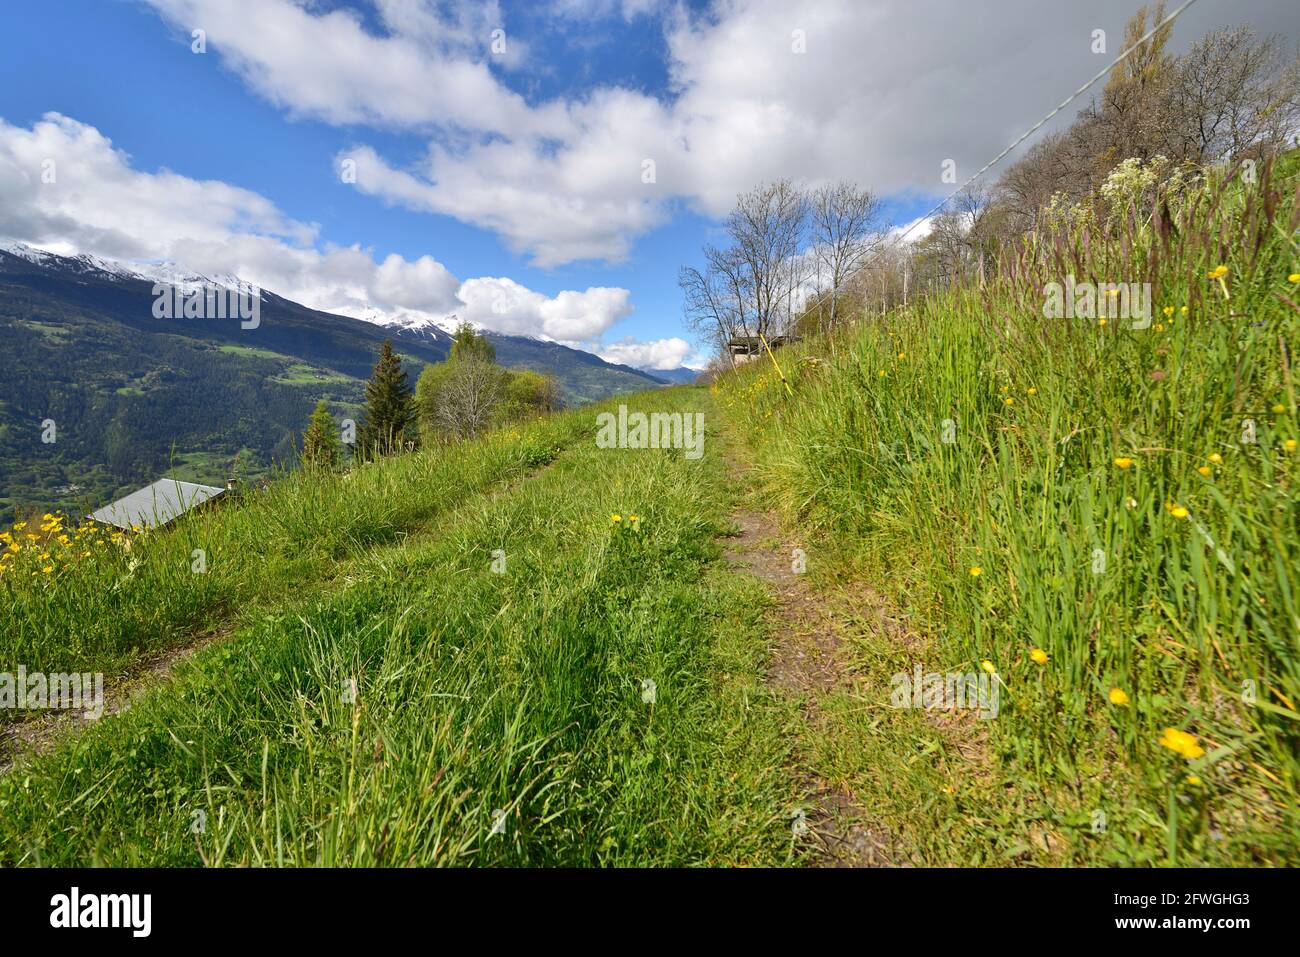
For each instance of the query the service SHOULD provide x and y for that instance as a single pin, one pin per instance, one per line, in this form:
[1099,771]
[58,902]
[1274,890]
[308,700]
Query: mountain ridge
[132,396]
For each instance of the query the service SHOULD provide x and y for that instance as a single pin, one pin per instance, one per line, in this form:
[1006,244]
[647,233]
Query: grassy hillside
[516,701]
[527,649]
[1105,516]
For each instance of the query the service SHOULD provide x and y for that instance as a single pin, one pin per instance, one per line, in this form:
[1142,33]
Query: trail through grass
[1103,514]
[600,702]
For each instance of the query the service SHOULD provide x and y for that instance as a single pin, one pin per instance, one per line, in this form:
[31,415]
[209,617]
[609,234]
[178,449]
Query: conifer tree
[388,420]
[320,444]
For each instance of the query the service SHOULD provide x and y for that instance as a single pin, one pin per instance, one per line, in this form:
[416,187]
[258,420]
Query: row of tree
[800,261]
[787,246]
[455,399]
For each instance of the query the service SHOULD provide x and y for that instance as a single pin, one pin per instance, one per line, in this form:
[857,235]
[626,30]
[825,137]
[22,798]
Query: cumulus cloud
[64,187]
[881,93]
[505,306]
[657,354]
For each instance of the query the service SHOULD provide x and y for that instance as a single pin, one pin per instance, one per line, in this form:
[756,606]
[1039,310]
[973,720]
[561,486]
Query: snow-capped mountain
[164,273]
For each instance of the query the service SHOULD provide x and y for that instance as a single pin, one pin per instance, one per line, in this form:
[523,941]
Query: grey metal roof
[155,504]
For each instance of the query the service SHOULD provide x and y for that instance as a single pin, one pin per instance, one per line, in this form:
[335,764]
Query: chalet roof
[155,505]
[755,344]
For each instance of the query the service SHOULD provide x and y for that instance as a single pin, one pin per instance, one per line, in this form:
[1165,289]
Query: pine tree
[320,444]
[468,343]
[388,422]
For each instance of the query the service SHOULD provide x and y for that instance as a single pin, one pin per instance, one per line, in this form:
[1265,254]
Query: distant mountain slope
[98,396]
[679,376]
[583,377]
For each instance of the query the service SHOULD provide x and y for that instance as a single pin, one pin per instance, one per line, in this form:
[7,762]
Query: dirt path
[20,740]
[806,665]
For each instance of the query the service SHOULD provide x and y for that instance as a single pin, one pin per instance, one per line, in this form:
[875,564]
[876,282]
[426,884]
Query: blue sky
[505,186]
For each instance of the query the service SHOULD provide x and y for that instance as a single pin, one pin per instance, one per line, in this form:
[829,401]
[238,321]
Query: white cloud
[97,203]
[505,306]
[913,231]
[431,69]
[657,354]
[884,93]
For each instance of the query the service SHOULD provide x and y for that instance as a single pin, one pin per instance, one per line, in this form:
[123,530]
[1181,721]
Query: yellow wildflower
[1205,470]
[1179,512]
[1278,409]
[988,666]
[1039,656]
[1118,697]
[976,571]
[1182,743]
[1293,278]
[615,519]
[1123,463]
[1216,458]
[1218,272]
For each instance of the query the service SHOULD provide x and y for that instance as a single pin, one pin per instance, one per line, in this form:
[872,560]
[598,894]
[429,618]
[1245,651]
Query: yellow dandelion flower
[1205,470]
[615,519]
[1168,311]
[1193,780]
[1123,463]
[1293,278]
[1009,401]
[1118,697]
[47,569]
[988,666]
[1160,327]
[1039,656]
[1101,322]
[1032,390]
[1218,272]
[1278,409]
[976,571]
[1182,311]
[1216,458]
[1179,512]
[1182,743]
[1290,445]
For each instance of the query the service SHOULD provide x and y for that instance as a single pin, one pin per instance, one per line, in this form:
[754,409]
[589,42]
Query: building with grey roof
[156,505]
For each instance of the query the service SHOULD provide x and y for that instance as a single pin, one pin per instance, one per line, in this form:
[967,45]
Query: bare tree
[767,231]
[712,304]
[844,224]
[1235,91]
[468,397]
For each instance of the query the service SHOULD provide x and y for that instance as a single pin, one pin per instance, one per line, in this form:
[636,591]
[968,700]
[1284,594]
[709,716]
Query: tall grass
[1124,499]
[429,710]
[133,595]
